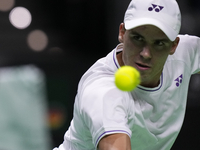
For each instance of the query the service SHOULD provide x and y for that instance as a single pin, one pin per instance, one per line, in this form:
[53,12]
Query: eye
[159,43]
[137,37]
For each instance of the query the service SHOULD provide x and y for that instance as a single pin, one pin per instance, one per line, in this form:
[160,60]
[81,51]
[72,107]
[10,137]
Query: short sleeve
[105,109]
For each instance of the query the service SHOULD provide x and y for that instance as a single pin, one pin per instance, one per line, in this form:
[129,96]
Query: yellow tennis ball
[127,78]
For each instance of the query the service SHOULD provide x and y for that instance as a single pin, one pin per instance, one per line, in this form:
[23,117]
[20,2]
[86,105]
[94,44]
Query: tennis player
[149,117]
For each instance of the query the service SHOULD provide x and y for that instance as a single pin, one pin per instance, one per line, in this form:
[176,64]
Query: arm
[118,141]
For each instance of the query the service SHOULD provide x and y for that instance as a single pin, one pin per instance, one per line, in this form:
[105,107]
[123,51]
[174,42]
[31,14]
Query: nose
[146,53]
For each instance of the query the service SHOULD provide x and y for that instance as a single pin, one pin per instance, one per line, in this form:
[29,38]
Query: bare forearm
[117,141]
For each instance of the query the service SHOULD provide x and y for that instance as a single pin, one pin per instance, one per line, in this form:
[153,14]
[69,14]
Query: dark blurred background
[79,32]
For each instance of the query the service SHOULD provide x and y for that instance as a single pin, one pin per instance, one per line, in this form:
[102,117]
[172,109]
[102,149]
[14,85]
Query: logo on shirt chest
[179,80]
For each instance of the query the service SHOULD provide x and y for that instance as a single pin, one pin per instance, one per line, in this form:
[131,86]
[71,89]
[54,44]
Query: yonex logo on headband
[157,8]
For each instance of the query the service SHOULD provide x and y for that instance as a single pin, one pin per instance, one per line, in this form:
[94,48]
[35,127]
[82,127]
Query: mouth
[141,66]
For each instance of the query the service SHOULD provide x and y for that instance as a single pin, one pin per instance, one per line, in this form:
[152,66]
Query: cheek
[129,58]
[126,58]
[161,55]
[160,61]
[130,49]
[159,58]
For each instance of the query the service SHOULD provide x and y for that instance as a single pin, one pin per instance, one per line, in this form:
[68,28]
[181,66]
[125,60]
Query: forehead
[149,31]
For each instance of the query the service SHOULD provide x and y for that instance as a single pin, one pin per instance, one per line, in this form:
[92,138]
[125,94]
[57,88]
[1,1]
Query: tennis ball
[127,78]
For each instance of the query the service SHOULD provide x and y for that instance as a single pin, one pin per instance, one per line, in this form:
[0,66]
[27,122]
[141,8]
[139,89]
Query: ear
[174,46]
[121,33]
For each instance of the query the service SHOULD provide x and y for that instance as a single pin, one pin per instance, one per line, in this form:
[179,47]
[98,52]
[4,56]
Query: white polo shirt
[151,117]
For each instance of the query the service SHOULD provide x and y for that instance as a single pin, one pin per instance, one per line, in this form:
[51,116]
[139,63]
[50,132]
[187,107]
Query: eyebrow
[161,39]
[136,33]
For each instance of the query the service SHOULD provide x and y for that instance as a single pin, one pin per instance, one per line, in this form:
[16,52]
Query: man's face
[146,48]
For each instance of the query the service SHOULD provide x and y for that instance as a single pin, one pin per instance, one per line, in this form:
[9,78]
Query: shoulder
[187,48]
[187,53]
[102,92]
[101,88]
[188,41]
